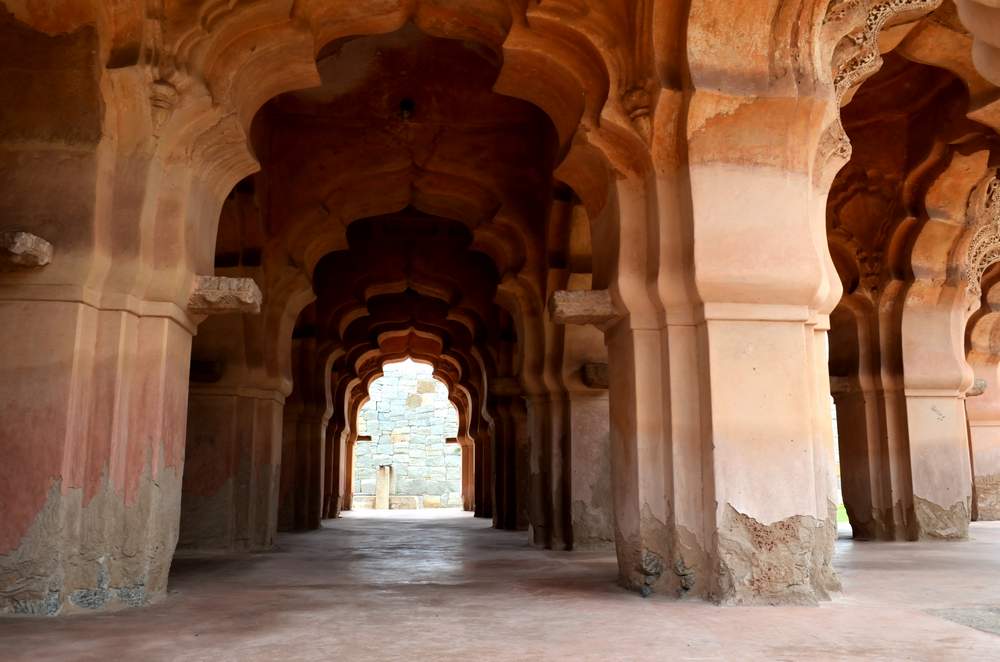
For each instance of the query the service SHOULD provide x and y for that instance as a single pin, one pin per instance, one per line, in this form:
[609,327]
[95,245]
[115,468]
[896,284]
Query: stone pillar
[340,443]
[984,429]
[935,409]
[232,473]
[640,478]
[504,462]
[982,406]
[302,466]
[763,377]
[347,471]
[95,333]
[548,436]
[511,454]
[482,452]
[312,439]
[383,479]
[867,369]
[468,474]
[94,401]
[592,515]
[232,469]
[287,506]
[586,379]
[335,458]
[304,448]
[936,374]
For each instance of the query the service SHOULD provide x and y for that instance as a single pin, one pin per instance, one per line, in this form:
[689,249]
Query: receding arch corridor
[442,585]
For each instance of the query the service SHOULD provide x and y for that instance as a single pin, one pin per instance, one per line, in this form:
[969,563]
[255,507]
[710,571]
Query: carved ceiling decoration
[984,248]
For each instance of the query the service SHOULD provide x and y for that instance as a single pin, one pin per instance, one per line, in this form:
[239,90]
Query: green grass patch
[842,514]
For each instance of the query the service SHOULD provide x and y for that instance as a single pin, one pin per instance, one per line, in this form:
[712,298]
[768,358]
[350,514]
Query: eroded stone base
[934,521]
[787,562]
[667,560]
[103,554]
[883,524]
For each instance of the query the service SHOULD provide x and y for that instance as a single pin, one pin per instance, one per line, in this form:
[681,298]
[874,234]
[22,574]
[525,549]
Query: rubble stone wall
[408,418]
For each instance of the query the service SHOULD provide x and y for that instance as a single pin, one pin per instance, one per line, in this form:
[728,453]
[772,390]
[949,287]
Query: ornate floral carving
[984,249]
[867,58]
[863,58]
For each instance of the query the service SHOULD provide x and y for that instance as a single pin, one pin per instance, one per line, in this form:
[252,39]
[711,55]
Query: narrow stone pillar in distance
[383,480]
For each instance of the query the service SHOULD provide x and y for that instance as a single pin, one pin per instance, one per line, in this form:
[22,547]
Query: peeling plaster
[938,522]
[786,562]
[103,555]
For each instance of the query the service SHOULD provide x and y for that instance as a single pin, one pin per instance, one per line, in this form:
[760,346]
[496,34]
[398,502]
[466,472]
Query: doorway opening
[407,455]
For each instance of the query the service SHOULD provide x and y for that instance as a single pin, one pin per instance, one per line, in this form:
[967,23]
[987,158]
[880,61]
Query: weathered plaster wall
[593,525]
[231,471]
[409,417]
[90,484]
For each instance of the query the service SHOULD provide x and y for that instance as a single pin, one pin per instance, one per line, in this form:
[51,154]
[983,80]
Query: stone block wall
[408,418]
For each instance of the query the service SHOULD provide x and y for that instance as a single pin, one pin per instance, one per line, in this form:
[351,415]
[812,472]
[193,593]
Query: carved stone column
[768,489]
[586,377]
[984,430]
[230,496]
[482,451]
[304,447]
[468,474]
[96,266]
[230,499]
[867,373]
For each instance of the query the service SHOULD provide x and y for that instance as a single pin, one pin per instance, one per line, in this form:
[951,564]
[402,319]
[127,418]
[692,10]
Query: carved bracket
[582,307]
[217,295]
[23,250]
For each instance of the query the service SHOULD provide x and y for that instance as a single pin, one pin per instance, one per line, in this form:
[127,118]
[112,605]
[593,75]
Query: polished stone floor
[439,585]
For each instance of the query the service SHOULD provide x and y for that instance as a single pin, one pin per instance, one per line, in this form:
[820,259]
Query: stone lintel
[23,250]
[594,375]
[216,295]
[582,307]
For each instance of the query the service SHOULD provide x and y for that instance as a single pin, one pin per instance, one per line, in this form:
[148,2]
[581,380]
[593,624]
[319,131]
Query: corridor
[441,585]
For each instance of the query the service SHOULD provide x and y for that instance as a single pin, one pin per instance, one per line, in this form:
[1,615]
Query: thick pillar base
[986,469]
[91,478]
[591,510]
[103,554]
[942,476]
[231,476]
[785,562]
[775,521]
[945,522]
